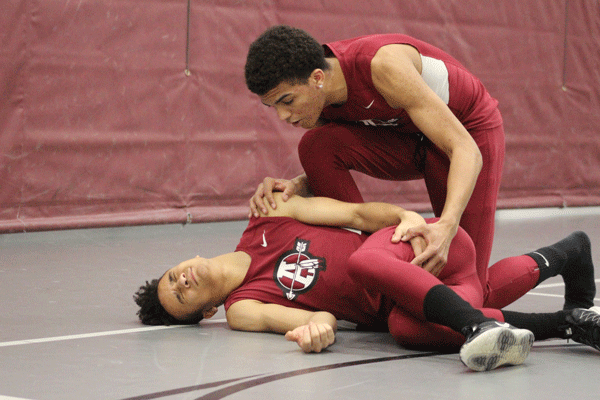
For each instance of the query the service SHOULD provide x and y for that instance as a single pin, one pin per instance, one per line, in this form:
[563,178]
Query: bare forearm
[324,317]
[252,315]
[464,170]
[290,319]
[367,217]
[371,217]
[317,334]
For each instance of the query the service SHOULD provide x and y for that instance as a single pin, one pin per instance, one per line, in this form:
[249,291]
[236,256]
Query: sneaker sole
[497,347]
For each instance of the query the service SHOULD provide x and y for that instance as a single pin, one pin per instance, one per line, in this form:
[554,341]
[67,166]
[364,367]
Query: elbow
[359,223]
[468,152]
[357,217]
[233,322]
[472,153]
[366,223]
[240,322]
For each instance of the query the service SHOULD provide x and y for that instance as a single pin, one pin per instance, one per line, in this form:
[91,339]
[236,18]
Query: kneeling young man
[295,272]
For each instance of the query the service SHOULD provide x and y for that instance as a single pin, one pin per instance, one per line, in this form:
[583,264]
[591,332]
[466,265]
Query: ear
[208,314]
[318,76]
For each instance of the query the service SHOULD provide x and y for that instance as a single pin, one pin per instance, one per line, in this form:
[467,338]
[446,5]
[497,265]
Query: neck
[233,268]
[337,90]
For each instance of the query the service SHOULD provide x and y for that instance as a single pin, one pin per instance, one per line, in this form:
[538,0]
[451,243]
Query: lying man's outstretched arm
[313,331]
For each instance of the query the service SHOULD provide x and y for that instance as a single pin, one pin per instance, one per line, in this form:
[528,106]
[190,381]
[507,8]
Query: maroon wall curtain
[101,126]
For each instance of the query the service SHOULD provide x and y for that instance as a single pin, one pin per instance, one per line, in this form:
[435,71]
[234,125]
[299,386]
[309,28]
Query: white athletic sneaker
[492,344]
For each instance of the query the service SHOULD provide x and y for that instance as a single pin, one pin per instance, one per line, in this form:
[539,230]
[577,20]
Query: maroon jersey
[464,94]
[304,266]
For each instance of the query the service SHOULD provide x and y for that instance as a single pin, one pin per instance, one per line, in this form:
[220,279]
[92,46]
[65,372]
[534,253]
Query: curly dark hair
[151,312]
[282,54]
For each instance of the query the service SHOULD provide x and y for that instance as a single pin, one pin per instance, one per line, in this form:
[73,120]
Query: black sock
[544,326]
[571,258]
[550,260]
[443,306]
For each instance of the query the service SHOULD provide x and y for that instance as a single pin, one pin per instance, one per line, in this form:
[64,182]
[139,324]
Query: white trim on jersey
[435,75]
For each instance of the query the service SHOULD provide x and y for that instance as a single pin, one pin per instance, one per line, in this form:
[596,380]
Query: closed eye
[172,280]
[286,99]
[179,298]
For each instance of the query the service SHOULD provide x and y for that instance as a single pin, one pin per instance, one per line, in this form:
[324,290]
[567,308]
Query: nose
[183,280]
[283,114]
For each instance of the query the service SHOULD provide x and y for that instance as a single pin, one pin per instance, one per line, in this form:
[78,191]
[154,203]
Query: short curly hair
[282,54]
[151,312]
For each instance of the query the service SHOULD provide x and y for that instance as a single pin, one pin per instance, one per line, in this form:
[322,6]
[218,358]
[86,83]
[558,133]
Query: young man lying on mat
[296,272]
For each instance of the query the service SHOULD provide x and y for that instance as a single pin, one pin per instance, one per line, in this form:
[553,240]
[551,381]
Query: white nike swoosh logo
[369,106]
[264,243]
[545,259]
[502,325]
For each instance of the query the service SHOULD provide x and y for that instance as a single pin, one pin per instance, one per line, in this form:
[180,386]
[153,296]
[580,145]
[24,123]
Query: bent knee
[323,139]
[358,264]
[463,249]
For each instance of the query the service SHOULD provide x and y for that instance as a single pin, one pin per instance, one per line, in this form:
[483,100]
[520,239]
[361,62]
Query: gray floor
[68,328]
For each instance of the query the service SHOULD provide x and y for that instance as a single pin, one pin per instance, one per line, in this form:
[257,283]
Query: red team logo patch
[297,270]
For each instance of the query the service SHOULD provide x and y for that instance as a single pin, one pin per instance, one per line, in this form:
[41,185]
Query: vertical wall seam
[565,44]
[187,40]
